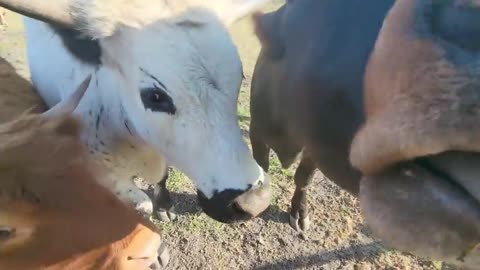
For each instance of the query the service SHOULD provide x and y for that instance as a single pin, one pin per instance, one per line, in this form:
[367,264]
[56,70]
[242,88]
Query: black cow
[409,128]
[307,87]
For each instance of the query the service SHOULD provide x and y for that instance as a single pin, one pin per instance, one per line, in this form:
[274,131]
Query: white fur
[202,139]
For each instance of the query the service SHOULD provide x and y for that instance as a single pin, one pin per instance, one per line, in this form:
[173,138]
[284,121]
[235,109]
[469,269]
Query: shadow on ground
[356,252]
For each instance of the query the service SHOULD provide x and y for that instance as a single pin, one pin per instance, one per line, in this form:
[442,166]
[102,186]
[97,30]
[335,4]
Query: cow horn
[52,11]
[69,105]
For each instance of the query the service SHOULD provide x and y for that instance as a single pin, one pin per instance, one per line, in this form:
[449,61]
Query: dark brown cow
[420,191]
[306,88]
[53,213]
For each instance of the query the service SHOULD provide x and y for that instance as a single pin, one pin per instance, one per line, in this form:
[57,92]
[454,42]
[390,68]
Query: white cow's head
[179,79]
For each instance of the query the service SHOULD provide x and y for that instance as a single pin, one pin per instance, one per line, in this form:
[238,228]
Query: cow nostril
[263,181]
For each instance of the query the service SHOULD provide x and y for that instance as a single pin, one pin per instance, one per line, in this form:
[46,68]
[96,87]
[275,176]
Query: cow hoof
[300,224]
[164,256]
[166,215]
[145,208]
[162,259]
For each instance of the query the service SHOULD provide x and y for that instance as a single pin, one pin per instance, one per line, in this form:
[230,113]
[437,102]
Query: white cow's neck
[103,114]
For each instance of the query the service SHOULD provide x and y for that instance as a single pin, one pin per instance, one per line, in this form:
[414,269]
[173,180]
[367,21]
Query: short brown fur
[59,216]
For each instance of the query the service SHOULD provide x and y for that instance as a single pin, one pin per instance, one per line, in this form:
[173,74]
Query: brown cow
[53,213]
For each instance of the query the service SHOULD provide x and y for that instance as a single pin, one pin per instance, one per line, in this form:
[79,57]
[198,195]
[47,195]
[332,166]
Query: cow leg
[130,194]
[261,152]
[299,218]
[164,209]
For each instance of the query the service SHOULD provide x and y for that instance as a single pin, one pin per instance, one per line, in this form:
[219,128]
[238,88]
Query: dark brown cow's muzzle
[430,207]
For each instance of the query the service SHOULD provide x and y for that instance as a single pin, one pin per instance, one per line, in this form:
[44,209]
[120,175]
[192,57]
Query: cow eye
[6,233]
[157,100]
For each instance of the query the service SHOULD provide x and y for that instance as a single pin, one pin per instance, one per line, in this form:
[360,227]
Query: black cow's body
[306,89]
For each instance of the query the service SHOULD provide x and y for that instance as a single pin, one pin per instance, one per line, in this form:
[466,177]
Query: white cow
[166,79]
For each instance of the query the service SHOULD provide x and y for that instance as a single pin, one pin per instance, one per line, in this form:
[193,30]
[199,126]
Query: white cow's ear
[229,11]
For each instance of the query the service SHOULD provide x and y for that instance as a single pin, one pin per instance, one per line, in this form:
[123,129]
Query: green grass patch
[177,181]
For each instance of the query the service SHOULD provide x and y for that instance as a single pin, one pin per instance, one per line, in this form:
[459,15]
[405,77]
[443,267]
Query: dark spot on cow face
[157,100]
[190,24]
[99,117]
[85,49]
[125,123]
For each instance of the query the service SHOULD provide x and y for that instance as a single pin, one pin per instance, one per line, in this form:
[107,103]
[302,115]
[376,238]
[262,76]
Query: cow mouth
[429,207]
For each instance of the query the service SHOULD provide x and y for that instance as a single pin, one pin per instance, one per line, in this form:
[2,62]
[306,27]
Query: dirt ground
[337,239]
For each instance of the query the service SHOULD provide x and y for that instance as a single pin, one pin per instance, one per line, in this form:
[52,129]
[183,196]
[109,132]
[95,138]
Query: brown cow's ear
[267,29]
